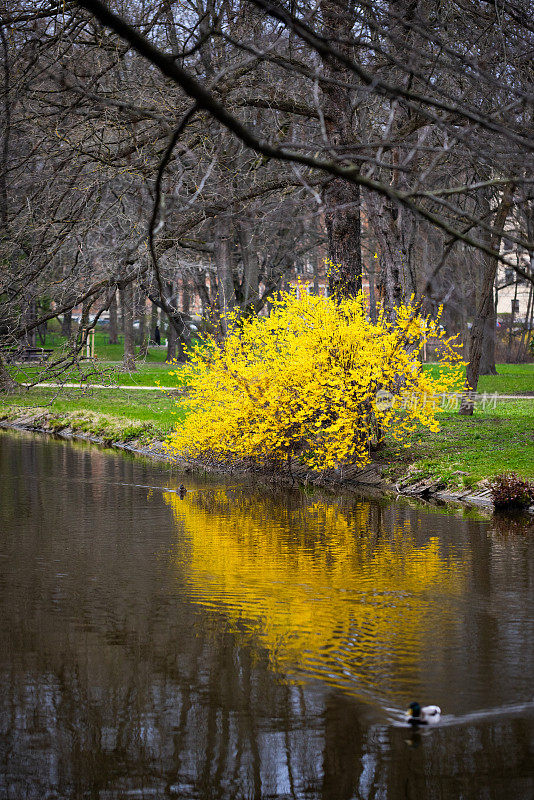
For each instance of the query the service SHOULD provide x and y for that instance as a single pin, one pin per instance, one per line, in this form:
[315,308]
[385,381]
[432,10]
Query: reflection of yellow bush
[341,604]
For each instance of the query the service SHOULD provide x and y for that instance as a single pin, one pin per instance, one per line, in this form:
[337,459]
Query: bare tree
[261,129]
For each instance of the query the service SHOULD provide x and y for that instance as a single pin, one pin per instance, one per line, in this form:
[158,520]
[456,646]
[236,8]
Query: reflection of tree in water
[322,587]
[115,682]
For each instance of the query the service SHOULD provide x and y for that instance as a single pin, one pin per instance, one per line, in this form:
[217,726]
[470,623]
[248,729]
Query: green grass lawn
[493,440]
[105,351]
[157,407]
[118,414]
[511,379]
[109,373]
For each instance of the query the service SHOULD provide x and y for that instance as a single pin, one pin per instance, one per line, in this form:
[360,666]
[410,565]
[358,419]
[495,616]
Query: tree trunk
[372,293]
[29,316]
[343,228]
[393,225]
[487,358]
[177,321]
[486,306]
[128,361]
[523,341]
[8,385]
[179,337]
[66,324]
[42,330]
[143,336]
[341,199]
[120,305]
[153,322]
[394,229]
[172,338]
[223,265]
[79,339]
[186,308]
[509,349]
[186,295]
[143,332]
[477,336]
[251,267]
[113,327]
[316,269]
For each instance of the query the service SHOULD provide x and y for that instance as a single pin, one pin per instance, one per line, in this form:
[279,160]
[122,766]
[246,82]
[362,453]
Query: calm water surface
[248,643]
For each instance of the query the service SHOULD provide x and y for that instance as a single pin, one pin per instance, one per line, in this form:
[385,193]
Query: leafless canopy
[222,142]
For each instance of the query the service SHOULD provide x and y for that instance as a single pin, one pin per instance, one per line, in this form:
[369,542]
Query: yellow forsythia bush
[315,380]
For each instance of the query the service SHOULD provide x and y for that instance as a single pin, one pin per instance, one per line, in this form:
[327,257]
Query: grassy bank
[491,441]
[113,414]
[465,451]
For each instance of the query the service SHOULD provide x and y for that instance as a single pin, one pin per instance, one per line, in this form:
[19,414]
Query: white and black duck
[423,715]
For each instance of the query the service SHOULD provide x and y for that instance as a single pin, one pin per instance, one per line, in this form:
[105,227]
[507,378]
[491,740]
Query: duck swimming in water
[427,715]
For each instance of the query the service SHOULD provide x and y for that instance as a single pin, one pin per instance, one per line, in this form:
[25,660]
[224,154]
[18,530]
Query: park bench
[27,354]
[35,354]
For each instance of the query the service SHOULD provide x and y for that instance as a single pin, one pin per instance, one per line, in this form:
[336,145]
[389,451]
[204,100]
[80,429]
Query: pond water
[244,642]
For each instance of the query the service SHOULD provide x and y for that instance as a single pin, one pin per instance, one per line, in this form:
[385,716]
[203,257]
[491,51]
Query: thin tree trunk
[66,324]
[486,305]
[143,333]
[511,331]
[113,327]
[4,198]
[120,305]
[42,330]
[489,341]
[143,336]
[477,336]
[522,350]
[172,338]
[251,266]
[487,358]
[202,289]
[395,227]
[223,265]
[79,339]
[316,289]
[186,295]
[8,385]
[28,317]
[186,306]
[372,294]
[179,337]
[177,320]
[153,321]
[128,360]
